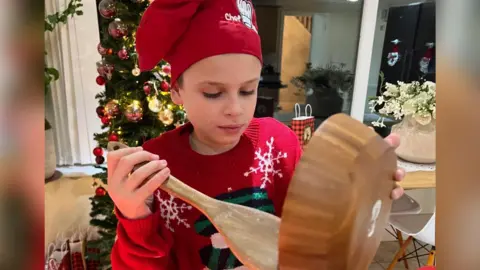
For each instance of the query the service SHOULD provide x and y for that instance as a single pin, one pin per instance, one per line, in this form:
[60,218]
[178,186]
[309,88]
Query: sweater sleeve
[282,187]
[142,243]
[288,141]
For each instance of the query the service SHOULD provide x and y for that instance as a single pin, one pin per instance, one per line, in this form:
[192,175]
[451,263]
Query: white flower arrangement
[415,99]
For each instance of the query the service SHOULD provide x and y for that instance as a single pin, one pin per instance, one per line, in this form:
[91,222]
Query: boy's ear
[175,94]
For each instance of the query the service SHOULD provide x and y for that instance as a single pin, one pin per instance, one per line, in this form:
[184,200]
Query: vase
[50,155]
[417,141]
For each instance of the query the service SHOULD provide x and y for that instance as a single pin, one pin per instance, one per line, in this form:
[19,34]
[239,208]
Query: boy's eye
[216,95]
[212,95]
[247,93]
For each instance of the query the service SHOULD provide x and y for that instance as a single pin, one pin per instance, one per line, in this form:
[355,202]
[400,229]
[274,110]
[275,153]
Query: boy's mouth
[231,128]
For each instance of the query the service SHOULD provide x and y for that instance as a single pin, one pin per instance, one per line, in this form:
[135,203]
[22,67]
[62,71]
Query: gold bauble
[166,117]
[155,105]
[134,111]
[112,108]
[136,71]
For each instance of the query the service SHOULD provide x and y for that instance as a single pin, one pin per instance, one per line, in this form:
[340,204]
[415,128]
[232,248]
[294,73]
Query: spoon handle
[177,188]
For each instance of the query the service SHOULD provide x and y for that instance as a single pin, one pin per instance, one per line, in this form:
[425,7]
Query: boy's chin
[228,141]
[225,141]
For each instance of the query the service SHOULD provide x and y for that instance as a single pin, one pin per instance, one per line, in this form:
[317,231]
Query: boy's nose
[233,108]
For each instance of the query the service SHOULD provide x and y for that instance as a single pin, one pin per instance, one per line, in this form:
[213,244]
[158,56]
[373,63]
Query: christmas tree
[134,106]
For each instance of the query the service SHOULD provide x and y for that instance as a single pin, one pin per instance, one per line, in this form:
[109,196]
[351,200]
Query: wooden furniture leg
[400,242]
[431,257]
[400,252]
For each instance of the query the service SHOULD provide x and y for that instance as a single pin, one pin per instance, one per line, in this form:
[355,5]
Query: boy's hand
[125,188]
[394,140]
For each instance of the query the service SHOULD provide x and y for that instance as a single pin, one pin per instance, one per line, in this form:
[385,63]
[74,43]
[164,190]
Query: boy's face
[219,94]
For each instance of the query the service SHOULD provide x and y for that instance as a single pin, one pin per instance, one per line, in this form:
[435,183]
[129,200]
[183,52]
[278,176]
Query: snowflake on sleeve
[171,210]
[266,163]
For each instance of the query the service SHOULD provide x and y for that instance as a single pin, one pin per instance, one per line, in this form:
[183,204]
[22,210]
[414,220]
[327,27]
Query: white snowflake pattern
[266,163]
[170,210]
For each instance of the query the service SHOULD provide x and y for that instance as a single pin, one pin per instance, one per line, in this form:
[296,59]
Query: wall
[335,39]
[295,53]
[377,51]
[320,45]
[269,21]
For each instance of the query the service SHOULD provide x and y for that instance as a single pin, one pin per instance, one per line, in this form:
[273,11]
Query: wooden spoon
[251,234]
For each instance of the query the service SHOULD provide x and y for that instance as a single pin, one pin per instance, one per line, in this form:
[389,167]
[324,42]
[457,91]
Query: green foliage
[73,8]
[51,75]
[331,79]
[51,21]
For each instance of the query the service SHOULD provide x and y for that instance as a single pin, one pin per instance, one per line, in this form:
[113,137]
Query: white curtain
[7,19]
[70,107]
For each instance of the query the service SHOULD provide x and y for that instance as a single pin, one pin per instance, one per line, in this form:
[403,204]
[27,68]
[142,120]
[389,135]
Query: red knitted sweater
[255,173]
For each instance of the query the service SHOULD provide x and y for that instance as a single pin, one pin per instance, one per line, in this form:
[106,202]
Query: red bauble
[164,86]
[105,120]
[100,111]
[107,8]
[101,50]
[123,54]
[97,151]
[110,51]
[117,28]
[100,80]
[99,159]
[147,88]
[105,69]
[167,69]
[100,191]
[107,13]
[113,137]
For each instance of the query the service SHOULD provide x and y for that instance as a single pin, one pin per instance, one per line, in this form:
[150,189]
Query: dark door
[425,33]
[401,25]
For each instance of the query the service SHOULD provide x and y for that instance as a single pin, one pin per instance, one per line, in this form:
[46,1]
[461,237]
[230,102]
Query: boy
[214,50]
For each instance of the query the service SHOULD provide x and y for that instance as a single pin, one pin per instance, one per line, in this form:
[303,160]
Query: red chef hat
[183,32]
